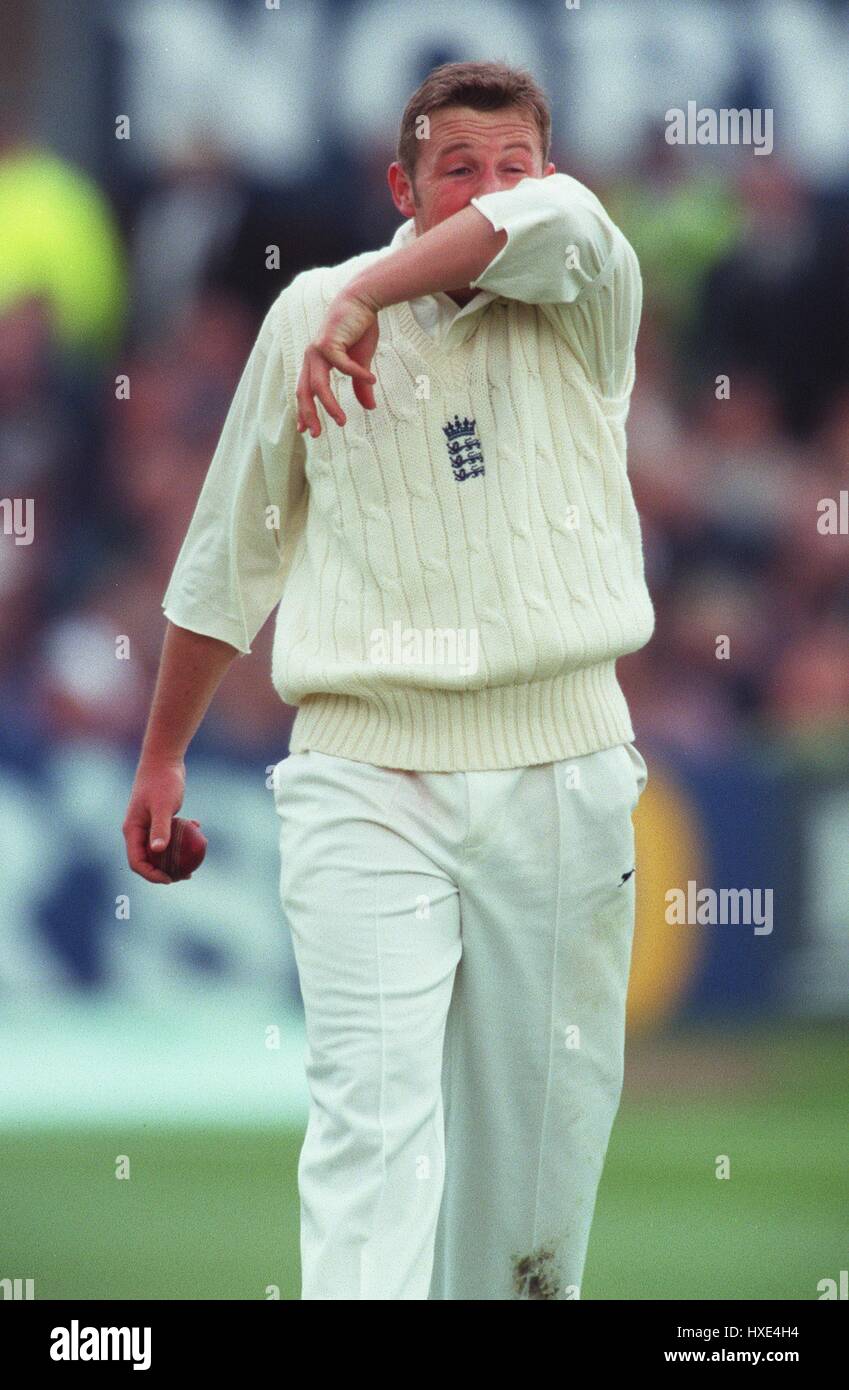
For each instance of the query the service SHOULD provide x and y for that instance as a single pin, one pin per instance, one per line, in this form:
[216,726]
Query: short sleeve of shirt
[231,568]
[565,254]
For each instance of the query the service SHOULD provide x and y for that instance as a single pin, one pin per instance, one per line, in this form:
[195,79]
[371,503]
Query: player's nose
[489,182]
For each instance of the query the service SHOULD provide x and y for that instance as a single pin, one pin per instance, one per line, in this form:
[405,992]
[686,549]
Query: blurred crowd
[126,315]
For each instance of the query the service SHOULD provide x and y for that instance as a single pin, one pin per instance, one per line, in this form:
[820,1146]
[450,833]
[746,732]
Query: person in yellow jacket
[60,242]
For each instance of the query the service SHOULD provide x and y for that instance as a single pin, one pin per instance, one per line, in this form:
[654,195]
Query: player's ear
[402,189]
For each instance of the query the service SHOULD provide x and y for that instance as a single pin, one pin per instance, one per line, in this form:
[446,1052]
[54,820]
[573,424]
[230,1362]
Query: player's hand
[347,341]
[157,795]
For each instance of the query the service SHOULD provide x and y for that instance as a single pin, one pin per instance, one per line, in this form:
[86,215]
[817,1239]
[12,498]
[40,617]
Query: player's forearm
[447,257]
[191,668]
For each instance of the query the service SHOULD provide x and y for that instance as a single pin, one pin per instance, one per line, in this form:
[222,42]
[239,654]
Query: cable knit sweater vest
[470,562]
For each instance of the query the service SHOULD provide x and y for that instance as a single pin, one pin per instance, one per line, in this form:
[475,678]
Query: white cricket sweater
[458,570]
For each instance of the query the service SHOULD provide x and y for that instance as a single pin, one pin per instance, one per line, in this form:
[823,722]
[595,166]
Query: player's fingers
[365,394]
[362,353]
[135,836]
[321,384]
[347,364]
[160,828]
[307,417]
[134,839]
[152,875]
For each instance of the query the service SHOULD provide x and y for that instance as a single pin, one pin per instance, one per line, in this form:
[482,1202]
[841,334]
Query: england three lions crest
[464,448]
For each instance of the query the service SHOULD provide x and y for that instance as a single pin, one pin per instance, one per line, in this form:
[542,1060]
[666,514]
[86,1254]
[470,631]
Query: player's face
[468,153]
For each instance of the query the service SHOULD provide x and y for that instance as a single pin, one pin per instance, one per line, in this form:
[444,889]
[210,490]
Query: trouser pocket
[639,770]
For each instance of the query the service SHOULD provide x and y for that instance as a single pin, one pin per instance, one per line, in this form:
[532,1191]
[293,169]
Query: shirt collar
[463,318]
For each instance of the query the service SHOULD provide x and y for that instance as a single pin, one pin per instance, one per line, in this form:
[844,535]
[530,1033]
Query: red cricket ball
[184,851]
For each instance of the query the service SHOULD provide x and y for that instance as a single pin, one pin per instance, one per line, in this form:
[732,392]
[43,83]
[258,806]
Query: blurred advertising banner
[742,897]
[75,919]
[815,979]
[283,87]
[742,894]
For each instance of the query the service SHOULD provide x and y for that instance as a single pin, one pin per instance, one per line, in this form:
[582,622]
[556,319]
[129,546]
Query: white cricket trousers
[463,944]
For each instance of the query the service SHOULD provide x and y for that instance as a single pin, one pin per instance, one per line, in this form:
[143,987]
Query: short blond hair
[481,86]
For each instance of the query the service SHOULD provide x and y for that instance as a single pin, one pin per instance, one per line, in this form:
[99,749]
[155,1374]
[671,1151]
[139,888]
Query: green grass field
[213,1213]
